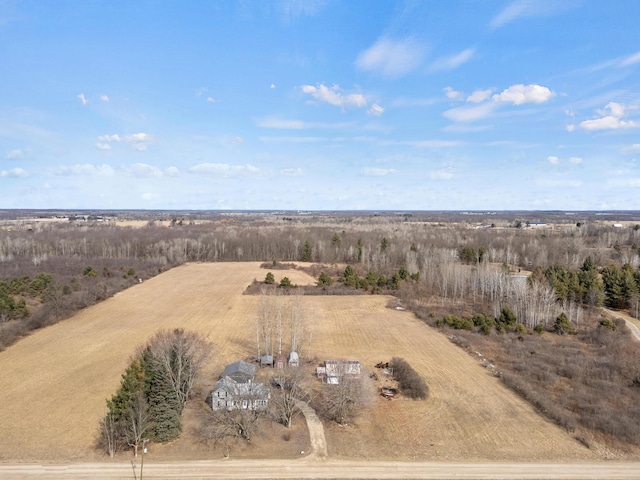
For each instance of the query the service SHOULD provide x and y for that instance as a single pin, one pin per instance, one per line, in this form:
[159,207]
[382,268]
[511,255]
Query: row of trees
[154,390]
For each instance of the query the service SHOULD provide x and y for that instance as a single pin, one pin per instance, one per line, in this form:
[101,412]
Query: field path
[631,322]
[54,383]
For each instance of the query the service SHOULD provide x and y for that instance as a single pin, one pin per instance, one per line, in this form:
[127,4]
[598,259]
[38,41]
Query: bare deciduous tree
[136,422]
[344,401]
[182,355]
[287,390]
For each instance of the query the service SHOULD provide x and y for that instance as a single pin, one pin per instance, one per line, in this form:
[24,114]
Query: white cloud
[211,100]
[454,61]
[470,114]
[479,96]
[104,98]
[272,86]
[235,140]
[519,94]
[444,174]
[391,58]
[292,172]
[14,173]
[138,141]
[293,124]
[571,127]
[172,172]
[142,170]
[635,148]
[16,153]
[138,137]
[630,60]
[576,160]
[375,110]
[377,172]
[333,96]
[86,169]
[224,170]
[428,143]
[82,99]
[611,119]
[608,123]
[560,183]
[553,160]
[201,91]
[528,8]
[109,138]
[451,93]
[293,139]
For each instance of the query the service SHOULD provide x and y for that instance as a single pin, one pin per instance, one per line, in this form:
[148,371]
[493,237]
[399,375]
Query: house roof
[239,371]
[293,357]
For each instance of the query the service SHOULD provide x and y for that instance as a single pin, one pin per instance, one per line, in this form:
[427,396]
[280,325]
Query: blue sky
[320,105]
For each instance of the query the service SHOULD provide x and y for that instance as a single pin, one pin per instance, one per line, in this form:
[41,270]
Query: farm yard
[54,383]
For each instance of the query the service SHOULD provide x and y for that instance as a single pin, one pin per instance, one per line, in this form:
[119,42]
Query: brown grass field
[53,384]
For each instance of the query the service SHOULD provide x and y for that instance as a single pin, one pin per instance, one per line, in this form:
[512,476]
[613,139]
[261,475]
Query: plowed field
[53,384]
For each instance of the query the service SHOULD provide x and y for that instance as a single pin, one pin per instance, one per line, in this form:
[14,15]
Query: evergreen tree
[165,408]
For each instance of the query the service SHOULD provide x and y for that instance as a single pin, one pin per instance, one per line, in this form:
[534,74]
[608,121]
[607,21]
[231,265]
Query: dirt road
[280,469]
[631,322]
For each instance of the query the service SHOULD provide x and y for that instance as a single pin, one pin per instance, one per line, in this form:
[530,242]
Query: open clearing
[53,384]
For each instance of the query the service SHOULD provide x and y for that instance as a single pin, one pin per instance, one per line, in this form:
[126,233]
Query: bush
[563,325]
[410,382]
[456,322]
[269,279]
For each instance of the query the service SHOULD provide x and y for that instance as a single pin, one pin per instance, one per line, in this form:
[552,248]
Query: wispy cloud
[85,169]
[631,149]
[142,170]
[292,172]
[172,172]
[104,98]
[83,99]
[103,146]
[392,58]
[16,153]
[452,94]
[14,173]
[479,96]
[553,160]
[295,124]
[224,170]
[375,110]
[470,114]
[377,172]
[529,8]
[453,61]
[442,174]
[334,96]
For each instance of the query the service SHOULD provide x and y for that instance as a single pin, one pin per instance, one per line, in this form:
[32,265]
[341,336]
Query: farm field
[53,384]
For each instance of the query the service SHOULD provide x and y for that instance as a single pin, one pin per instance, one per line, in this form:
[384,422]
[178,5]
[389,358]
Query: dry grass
[53,384]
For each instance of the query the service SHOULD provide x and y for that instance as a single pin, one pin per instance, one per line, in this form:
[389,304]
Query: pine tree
[164,406]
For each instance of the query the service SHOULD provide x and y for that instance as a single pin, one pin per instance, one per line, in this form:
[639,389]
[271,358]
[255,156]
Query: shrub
[324,279]
[269,279]
[410,382]
[606,323]
[562,325]
[456,322]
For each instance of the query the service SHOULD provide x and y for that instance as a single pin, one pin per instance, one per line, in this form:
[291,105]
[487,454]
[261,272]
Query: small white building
[334,371]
